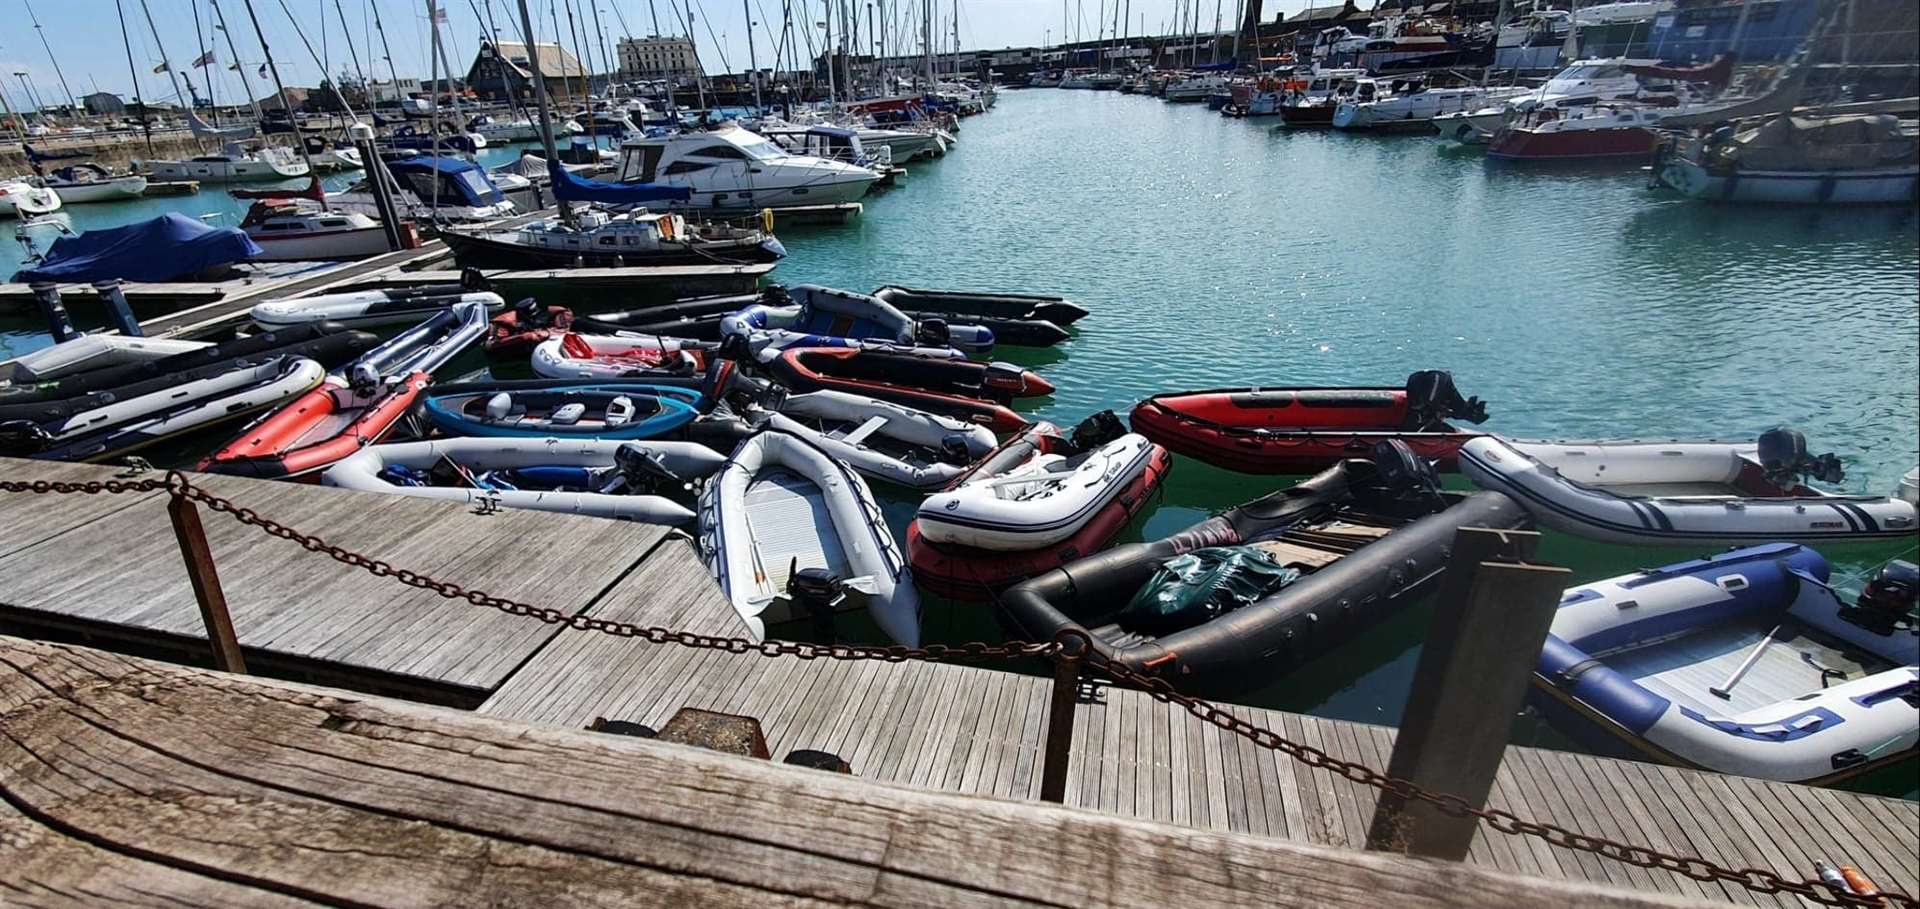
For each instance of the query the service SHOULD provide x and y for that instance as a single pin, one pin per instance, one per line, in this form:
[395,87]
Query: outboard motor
[816,592]
[1408,478]
[932,333]
[1004,378]
[1096,431]
[953,450]
[1784,460]
[1432,399]
[531,313]
[775,295]
[1889,601]
[644,473]
[22,437]
[471,279]
[363,378]
[734,347]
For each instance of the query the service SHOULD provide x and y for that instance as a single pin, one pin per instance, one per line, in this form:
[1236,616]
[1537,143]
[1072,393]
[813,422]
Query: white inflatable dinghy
[1039,503]
[1745,662]
[369,308]
[578,356]
[1691,493]
[602,478]
[884,440]
[809,315]
[787,529]
[90,352]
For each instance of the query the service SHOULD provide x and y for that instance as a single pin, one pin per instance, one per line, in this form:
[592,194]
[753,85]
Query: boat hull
[358,243]
[224,171]
[1288,431]
[482,251]
[114,190]
[1878,186]
[1573,144]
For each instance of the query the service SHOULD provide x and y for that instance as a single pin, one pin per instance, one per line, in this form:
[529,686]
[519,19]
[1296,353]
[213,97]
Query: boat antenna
[281,88]
[546,115]
[246,85]
[133,72]
[57,71]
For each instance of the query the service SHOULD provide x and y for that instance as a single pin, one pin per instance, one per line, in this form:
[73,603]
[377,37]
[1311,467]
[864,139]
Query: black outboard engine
[932,333]
[775,295]
[1890,602]
[531,313]
[953,450]
[1432,399]
[1003,380]
[471,279]
[816,592]
[1097,430]
[1784,460]
[21,437]
[1408,479]
[734,347]
[644,473]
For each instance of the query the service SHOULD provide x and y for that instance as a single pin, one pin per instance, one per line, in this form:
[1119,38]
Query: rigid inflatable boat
[634,481]
[977,392]
[1034,504]
[791,532]
[124,424]
[1302,430]
[369,308]
[1666,493]
[327,343]
[1058,310]
[884,440]
[88,353]
[699,319]
[1745,662]
[356,406]
[578,356]
[1368,538]
[515,333]
[579,411]
[809,315]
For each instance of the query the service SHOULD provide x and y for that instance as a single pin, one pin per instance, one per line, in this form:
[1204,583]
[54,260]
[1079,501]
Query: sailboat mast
[352,49]
[393,75]
[165,63]
[278,86]
[546,113]
[57,71]
[753,60]
[926,36]
[133,73]
[593,136]
[220,25]
[200,37]
[1214,39]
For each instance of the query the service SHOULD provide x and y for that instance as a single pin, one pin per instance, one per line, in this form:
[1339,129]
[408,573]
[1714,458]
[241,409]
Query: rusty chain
[1757,880]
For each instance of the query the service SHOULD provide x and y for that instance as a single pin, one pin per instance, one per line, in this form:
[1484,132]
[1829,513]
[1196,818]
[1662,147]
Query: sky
[88,51]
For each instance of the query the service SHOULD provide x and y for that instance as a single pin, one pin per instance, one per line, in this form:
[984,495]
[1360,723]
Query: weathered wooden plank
[1092,753]
[235,779]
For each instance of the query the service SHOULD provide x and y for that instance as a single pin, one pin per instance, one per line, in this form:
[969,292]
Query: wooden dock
[107,570]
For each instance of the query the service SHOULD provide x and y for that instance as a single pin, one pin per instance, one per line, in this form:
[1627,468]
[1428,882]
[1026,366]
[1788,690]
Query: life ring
[666,227]
[766,221]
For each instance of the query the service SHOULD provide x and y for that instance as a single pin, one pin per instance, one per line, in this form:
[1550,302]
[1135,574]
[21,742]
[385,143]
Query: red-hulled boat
[517,331]
[969,573]
[966,389]
[1306,430]
[1623,131]
[318,428]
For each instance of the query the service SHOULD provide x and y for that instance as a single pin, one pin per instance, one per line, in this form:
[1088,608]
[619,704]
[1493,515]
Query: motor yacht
[730,168]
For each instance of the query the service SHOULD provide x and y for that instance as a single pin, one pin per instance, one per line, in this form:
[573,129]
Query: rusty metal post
[1060,710]
[1489,623]
[206,583]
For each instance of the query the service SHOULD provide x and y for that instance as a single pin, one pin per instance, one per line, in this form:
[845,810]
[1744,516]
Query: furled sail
[205,130]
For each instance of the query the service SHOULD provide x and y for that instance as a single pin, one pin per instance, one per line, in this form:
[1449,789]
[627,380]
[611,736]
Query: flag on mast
[203,60]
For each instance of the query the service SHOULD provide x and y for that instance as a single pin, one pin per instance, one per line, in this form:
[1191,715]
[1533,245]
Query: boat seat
[620,411]
[499,407]
[861,432]
[568,414]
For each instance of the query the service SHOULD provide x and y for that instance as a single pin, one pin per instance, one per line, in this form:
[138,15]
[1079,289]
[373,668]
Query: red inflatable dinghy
[969,573]
[966,389]
[515,333]
[1306,430]
[318,428]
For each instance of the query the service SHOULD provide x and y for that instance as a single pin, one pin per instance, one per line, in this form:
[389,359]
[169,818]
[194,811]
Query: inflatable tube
[369,308]
[971,391]
[1674,493]
[823,317]
[327,343]
[699,320]
[1303,430]
[1256,644]
[782,504]
[1057,310]
[1782,720]
[368,470]
[583,410]
[578,356]
[516,332]
[1037,504]
[133,423]
[88,353]
[884,440]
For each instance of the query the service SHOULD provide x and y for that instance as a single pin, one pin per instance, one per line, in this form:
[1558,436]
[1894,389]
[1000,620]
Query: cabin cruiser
[290,230]
[1536,29]
[598,238]
[1315,88]
[1079,80]
[731,168]
[446,188]
[1196,87]
[503,131]
[1585,83]
[80,183]
[21,199]
[234,164]
[831,142]
[1418,108]
[1810,160]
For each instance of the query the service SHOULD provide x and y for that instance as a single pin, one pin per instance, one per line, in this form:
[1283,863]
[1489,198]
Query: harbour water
[1217,252]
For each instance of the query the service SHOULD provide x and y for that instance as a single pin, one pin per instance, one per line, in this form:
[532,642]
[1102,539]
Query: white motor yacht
[731,168]
[1417,109]
[1196,88]
[20,199]
[288,230]
[234,164]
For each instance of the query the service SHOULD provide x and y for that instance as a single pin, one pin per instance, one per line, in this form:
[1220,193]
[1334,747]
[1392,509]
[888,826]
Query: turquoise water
[1578,303]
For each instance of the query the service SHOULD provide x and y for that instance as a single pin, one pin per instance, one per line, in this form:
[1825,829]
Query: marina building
[654,57]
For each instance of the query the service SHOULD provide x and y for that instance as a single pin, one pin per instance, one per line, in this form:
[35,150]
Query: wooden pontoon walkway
[108,568]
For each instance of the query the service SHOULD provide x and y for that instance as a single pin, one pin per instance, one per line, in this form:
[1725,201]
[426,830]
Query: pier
[105,570]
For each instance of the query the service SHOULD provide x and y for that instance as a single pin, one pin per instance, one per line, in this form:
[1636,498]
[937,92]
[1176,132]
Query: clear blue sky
[85,34]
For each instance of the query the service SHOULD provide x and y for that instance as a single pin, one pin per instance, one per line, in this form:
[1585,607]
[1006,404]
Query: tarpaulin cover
[162,249]
[572,188]
[1203,584]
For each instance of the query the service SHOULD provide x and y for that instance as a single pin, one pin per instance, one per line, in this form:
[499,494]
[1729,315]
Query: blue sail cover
[162,249]
[572,188]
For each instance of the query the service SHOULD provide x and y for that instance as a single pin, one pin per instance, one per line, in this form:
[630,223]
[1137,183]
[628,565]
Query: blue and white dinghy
[808,315]
[791,532]
[1745,662]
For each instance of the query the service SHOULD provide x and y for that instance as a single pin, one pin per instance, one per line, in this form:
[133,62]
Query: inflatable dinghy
[1034,504]
[634,481]
[1058,310]
[88,353]
[1303,430]
[1684,493]
[884,440]
[1367,539]
[579,411]
[791,532]
[578,356]
[809,315]
[1745,663]
[356,406]
[976,392]
[370,308]
[126,424]
[698,319]
[327,343]
[515,333]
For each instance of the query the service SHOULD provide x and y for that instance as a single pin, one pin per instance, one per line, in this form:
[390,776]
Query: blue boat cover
[162,249]
[572,188]
[467,178]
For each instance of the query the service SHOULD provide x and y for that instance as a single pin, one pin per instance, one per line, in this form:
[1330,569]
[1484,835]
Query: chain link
[1755,879]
